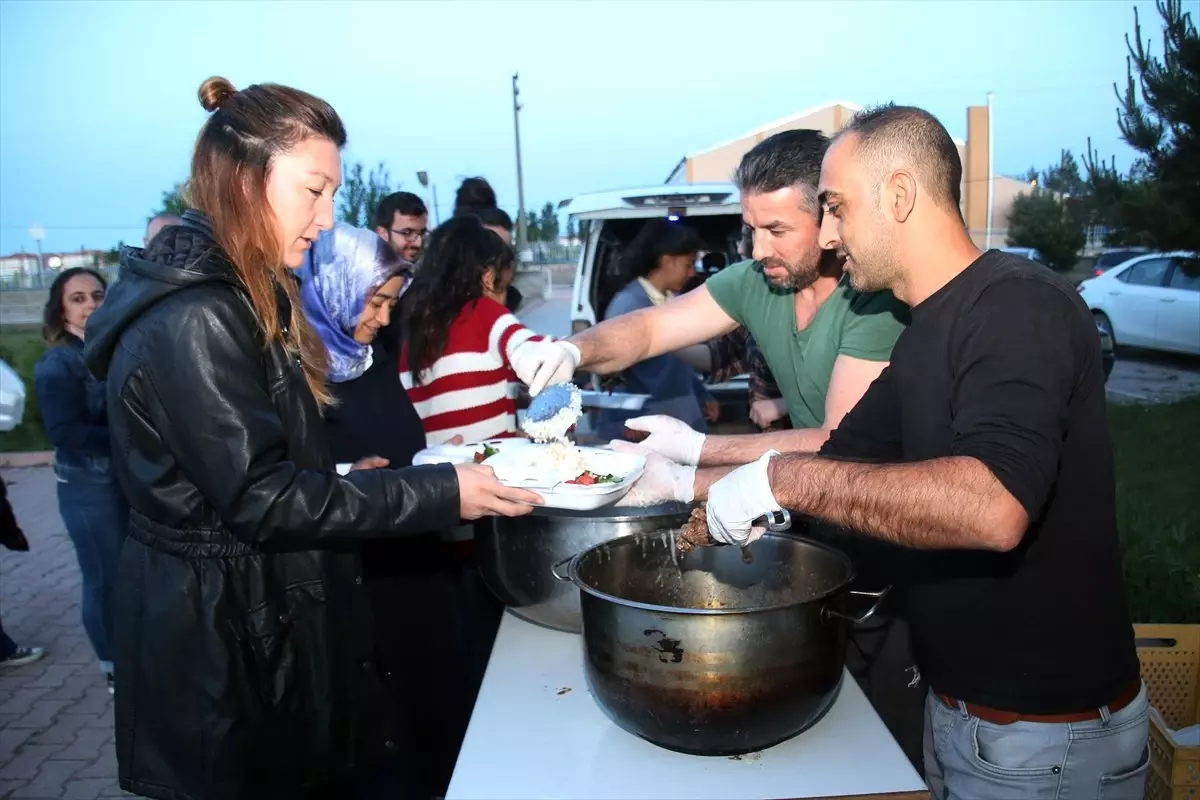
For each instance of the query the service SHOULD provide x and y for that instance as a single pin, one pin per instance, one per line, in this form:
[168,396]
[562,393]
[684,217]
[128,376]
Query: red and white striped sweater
[471,389]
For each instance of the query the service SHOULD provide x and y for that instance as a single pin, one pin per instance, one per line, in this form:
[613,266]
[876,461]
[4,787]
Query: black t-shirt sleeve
[871,430]
[1015,360]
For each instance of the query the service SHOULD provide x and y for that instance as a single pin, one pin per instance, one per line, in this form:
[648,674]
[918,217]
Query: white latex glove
[738,499]
[541,364]
[669,437]
[664,481]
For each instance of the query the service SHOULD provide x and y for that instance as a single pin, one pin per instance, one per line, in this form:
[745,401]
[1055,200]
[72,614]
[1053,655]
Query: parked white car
[1032,253]
[713,210]
[12,398]
[1148,301]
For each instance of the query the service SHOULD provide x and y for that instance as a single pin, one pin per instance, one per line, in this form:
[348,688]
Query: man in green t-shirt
[823,341]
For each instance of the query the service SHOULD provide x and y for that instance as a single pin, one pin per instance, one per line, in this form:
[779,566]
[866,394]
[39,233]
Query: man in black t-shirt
[984,447]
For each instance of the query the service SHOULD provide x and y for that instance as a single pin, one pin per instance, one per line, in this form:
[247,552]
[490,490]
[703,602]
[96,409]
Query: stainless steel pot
[515,554]
[730,651]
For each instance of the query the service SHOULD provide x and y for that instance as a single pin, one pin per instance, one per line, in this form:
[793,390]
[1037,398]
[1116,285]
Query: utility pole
[991,184]
[521,232]
[423,179]
[37,233]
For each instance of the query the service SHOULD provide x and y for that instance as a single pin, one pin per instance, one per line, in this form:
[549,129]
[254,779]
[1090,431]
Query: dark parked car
[1111,258]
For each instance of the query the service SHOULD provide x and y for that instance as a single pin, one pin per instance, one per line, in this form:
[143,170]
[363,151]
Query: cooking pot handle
[566,562]
[866,615]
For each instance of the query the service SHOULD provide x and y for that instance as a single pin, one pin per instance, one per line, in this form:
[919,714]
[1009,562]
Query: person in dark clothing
[988,456]
[348,288]
[476,197]
[657,263]
[244,656]
[13,538]
[73,410]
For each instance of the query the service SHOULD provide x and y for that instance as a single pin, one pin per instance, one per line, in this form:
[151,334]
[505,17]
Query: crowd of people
[285,607]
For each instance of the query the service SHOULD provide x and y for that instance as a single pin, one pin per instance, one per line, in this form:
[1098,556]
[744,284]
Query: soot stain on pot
[669,651]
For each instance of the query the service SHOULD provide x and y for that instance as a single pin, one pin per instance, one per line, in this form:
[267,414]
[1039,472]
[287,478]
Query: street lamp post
[38,233]
[423,179]
[521,232]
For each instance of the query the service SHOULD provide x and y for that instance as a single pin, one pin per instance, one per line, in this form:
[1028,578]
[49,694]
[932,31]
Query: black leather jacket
[243,644]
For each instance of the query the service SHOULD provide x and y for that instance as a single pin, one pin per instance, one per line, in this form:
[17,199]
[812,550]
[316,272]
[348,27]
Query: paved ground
[1144,376]
[56,719]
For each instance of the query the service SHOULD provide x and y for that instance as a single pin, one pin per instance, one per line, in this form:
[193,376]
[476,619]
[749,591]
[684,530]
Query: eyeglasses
[410,233]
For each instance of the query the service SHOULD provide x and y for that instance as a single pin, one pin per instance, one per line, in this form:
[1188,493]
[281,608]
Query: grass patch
[20,347]
[1158,507]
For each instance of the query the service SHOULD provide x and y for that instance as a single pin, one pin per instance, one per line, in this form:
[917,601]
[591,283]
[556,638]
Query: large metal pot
[515,554]
[722,651]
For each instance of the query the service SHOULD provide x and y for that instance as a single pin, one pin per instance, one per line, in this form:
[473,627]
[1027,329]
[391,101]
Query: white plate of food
[469,453]
[569,477]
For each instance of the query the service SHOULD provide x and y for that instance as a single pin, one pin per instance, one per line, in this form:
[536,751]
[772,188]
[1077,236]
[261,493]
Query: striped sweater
[471,389]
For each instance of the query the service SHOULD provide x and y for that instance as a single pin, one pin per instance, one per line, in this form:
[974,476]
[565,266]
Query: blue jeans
[97,519]
[967,758]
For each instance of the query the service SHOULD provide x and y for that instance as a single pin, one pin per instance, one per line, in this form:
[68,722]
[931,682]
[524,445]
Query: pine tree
[1156,203]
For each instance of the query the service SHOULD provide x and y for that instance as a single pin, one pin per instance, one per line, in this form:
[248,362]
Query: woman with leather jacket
[73,410]
[244,660]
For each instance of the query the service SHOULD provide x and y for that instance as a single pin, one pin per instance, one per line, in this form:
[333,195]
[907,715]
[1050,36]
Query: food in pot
[694,532]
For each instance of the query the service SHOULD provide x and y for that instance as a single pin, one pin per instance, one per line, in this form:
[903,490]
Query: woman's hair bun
[214,92]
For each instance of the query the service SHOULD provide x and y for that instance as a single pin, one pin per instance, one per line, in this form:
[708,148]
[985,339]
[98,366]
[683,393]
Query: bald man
[157,223]
[984,448]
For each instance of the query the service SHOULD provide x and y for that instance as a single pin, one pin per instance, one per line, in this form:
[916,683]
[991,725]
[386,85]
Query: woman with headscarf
[348,287]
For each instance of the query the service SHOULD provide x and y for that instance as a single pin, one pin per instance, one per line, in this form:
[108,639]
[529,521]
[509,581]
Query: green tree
[173,202]
[1155,203]
[533,228]
[548,224]
[113,255]
[572,230]
[360,195]
[1031,176]
[1042,219]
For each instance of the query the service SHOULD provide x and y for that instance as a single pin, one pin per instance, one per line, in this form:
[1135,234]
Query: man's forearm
[704,480]
[614,344]
[951,502]
[737,450]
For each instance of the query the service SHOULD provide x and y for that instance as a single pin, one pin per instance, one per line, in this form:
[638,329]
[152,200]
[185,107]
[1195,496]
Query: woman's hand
[481,495]
[370,462]
[765,413]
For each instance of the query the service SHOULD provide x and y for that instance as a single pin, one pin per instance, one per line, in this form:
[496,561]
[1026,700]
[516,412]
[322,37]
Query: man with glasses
[402,221]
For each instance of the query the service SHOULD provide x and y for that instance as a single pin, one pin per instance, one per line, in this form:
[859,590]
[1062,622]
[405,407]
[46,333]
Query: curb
[22,460]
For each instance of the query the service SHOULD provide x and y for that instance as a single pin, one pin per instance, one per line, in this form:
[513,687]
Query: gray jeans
[967,758]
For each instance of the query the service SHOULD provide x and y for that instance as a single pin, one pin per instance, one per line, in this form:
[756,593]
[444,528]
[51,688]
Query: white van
[610,220]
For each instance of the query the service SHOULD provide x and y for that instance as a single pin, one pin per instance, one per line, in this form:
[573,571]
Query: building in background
[717,163]
[21,270]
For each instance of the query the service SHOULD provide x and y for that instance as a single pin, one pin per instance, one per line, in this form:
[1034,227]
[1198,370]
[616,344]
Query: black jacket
[243,642]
